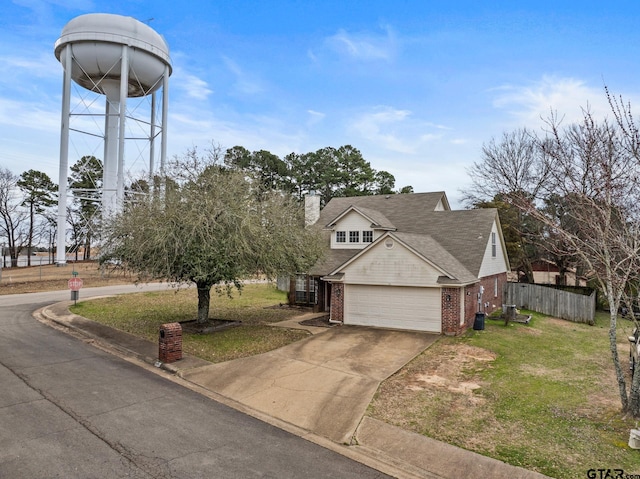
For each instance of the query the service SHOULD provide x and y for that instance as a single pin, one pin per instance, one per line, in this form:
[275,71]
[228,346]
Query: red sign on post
[75,284]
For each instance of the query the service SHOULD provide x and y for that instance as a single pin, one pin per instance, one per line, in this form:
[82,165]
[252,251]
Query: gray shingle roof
[332,260]
[430,249]
[465,233]
[454,240]
[377,219]
[401,210]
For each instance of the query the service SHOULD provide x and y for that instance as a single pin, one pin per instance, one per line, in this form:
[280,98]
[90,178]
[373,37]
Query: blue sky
[417,85]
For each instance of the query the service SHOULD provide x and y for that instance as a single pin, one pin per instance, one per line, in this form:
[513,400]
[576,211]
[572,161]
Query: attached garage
[398,307]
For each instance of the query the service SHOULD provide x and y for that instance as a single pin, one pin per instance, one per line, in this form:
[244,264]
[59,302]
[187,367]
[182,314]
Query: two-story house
[405,261]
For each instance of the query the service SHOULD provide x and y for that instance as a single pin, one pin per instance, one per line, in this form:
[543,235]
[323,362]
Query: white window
[493,245]
[354,236]
[367,236]
[495,287]
[341,236]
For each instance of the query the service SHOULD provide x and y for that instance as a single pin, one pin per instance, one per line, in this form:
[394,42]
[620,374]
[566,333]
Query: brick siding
[337,302]
[450,299]
[451,303]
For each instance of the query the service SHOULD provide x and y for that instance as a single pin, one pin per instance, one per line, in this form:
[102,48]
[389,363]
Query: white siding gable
[352,221]
[396,266]
[493,264]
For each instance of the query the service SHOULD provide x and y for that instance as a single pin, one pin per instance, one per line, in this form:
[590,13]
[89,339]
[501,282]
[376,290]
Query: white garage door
[393,307]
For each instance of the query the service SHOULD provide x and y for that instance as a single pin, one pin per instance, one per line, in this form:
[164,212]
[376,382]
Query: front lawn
[142,314]
[541,396]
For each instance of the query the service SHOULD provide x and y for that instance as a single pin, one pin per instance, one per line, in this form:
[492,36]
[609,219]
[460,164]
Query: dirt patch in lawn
[450,371]
[425,395]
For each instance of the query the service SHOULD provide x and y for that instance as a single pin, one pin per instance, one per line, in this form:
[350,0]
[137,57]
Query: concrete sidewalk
[320,385]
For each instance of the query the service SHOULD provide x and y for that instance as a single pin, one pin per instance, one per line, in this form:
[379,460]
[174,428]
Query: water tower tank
[96,42]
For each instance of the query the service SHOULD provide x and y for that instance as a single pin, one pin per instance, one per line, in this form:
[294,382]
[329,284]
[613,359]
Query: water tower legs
[114,141]
[61,256]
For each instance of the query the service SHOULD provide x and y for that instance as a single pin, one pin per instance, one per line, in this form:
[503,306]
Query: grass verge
[142,314]
[541,396]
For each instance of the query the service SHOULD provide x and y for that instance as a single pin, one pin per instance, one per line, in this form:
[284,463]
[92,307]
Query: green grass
[547,401]
[142,314]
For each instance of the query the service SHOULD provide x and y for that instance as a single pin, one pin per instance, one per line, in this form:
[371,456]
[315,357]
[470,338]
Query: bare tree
[13,218]
[512,165]
[596,173]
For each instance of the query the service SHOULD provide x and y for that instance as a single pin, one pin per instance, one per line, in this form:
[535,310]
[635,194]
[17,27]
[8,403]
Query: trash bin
[478,323]
[170,343]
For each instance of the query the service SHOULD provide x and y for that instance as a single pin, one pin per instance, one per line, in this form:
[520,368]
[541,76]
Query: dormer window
[367,236]
[341,236]
[354,236]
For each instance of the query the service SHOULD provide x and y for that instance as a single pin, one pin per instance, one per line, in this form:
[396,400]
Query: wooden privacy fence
[575,307]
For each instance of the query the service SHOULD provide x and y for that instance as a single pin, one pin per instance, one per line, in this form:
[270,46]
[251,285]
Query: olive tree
[211,227]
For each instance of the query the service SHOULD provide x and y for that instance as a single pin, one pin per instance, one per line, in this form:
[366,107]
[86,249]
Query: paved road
[69,410]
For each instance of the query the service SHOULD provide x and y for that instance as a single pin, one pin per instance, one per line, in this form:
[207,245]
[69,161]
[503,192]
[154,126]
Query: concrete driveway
[323,383]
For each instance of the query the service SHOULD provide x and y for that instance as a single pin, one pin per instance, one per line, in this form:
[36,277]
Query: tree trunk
[613,345]
[634,395]
[13,254]
[30,245]
[204,300]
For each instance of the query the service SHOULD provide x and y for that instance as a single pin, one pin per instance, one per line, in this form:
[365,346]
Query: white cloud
[40,65]
[364,46]
[314,117]
[253,132]
[530,104]
[394,129]
[31,116]
[192,85]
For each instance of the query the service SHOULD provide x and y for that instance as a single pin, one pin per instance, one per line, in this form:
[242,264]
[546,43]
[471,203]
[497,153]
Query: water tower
[118,57]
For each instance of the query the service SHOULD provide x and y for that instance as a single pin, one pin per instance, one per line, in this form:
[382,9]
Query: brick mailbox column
[170,343]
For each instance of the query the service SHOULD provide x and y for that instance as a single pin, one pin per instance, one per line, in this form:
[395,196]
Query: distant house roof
[456,241]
